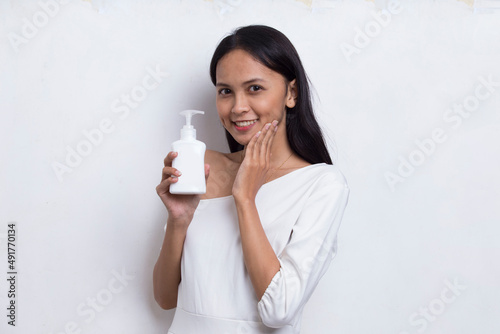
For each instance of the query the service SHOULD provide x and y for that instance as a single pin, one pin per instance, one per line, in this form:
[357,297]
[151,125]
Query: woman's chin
[242,142]
[242,139]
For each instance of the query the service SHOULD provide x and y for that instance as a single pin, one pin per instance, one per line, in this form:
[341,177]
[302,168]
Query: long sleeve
[306,257]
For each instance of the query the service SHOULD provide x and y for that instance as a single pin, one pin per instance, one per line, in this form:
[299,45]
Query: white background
[400,247]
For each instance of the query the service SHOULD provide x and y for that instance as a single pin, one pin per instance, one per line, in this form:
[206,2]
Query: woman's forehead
[242,67]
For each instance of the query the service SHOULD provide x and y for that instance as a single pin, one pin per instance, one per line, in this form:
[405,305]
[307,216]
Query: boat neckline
[265,184]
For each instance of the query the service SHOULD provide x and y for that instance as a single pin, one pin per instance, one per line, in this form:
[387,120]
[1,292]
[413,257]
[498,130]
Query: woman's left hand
[255,166]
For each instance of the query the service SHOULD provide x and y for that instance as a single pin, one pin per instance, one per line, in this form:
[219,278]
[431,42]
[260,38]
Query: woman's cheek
[223,113]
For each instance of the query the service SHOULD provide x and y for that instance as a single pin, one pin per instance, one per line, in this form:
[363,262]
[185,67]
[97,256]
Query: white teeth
[245,123]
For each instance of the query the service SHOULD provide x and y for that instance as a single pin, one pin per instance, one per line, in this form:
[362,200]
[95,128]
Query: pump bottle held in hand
[190,160]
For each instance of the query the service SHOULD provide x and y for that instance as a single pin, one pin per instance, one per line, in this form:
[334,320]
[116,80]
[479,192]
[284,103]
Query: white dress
[300,213]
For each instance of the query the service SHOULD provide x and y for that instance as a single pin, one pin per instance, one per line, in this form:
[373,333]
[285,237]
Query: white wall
[400,247]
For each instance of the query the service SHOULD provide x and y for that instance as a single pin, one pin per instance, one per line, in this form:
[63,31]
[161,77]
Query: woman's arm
[260,259]
[181,208]
[309,251]
[167,270]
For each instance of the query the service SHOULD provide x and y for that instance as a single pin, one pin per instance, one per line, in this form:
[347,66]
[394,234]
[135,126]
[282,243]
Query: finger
[264,146]
[170,171]
[265,132]
[207,171]
[168,159]
[273,130]
[258,144]
[251,146]
[165,184]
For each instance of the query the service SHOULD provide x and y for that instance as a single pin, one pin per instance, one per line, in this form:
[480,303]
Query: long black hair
[275,51]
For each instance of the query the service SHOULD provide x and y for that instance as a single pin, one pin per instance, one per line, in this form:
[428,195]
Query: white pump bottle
[190,160]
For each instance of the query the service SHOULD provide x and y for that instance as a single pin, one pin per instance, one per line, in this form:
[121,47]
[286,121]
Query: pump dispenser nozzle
[188,131]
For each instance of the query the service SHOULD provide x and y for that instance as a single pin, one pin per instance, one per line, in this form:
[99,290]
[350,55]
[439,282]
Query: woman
[246,256]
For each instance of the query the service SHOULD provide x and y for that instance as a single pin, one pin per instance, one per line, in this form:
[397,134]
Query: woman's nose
[240,104]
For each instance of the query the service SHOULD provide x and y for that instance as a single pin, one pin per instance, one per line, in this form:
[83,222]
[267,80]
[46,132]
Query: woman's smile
[244,125]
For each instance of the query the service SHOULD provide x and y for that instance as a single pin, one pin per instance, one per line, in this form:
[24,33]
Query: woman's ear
[291,96]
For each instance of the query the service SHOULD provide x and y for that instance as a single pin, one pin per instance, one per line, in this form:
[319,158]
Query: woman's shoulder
[328,174]
[213,157]
[223,169]
[223,162]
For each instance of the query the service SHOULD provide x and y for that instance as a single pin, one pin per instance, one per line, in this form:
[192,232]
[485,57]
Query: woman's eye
[255,88]
[224,91]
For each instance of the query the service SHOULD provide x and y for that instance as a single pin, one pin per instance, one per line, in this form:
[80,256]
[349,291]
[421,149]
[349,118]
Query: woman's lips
[245,125]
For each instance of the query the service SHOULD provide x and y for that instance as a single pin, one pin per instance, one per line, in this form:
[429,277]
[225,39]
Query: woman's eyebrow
[253,80]
[244,83]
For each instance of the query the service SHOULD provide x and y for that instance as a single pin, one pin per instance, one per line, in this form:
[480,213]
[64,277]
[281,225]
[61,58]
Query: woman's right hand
[180,207]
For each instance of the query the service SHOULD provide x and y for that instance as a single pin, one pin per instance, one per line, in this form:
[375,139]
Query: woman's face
[249,95]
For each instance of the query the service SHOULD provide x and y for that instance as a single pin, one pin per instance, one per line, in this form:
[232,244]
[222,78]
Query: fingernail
[275,122]
[268,125]
[257,134]
[275,128]
[178,173]
[174,178]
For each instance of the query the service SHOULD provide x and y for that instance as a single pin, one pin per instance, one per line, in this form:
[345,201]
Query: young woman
[246,256]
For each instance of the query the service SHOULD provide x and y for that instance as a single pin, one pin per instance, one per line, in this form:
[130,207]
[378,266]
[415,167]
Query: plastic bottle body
[191,162]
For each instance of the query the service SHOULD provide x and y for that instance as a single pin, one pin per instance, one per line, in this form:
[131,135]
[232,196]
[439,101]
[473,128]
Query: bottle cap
[188,131]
